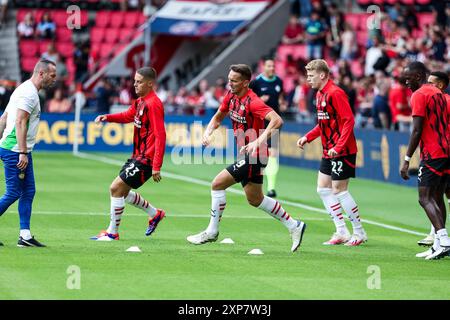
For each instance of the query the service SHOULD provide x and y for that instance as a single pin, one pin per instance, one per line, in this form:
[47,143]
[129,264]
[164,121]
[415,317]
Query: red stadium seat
[65,49]
[131,19]
[97,34]
[43,46]
[425,18]
[408,2]
[141,19]
[38,15]
[353,20]
[126,34]
[299,51]
[364,2]
[21,13]
[283,51]
[112,35]
[63,34]
[116,19]
[60,18]
[102,19]
[423,2]
[106,49]
[362,37]
[28,63]
[357,69]
[28,48]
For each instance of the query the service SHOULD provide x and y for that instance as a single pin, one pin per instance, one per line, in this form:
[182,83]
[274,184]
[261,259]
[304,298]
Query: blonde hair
[318,65]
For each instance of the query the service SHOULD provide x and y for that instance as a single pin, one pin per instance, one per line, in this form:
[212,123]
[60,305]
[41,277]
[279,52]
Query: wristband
[407,159]
[23,152]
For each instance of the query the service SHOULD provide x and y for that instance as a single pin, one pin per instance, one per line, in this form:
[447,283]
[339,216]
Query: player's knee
[217,185]
[324,191]
[424,200]
[339,191]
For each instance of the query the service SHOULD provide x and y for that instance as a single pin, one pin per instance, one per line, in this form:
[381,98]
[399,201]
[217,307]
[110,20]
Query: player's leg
[331,203]
[256,198]
[13,186]
[218,202]
[343,169]
[25,206]
[273,166]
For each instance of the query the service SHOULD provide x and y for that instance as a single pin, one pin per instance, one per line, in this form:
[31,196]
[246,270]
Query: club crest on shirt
[242,107]
[278,88]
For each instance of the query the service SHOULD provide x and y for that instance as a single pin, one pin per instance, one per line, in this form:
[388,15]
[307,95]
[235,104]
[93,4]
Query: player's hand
[332,153]
[156,176]
[404,170]
[23,161]
[100,118]
[250,148]
[301,142]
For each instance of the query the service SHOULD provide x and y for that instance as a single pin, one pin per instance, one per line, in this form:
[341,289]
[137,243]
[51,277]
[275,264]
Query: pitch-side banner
[380,153]
[204,18]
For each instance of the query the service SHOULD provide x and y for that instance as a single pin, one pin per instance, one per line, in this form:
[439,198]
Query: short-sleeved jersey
[335,121]
[26,98]
[430,103]
[247,116]
[272,87]
[149,139]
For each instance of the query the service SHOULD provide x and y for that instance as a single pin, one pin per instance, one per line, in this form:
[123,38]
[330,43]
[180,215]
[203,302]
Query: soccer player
[431,120]
[149,142]
[247,113]
[269,87]
[440,80]
[335,127]
[18,128]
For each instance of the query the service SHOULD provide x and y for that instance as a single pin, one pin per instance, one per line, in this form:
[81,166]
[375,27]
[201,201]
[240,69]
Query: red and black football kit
[335,127]
[430,103]
[149,139]
[247,115]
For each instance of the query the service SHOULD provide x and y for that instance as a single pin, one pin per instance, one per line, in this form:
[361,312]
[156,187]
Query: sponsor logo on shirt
[323,115]
[137,122]
[236,117]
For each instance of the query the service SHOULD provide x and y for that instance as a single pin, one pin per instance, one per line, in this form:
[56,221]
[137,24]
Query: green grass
[72,204]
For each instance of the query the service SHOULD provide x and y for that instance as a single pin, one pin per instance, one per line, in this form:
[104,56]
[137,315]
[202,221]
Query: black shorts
[247,170]
[341,168]
[433,172]
[135,173]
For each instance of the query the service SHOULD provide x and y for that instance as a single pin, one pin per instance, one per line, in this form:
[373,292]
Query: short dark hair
[243,69]
[147,72]
[43,64]
[442,76]
[419,68]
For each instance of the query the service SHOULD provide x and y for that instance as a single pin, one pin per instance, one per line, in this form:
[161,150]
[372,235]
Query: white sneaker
[425,253]
[337,238]
[202,237]
[439,253]
[356,240]
[297,235]
[427,241]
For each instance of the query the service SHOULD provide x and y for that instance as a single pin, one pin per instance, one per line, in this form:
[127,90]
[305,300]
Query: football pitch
[72,204]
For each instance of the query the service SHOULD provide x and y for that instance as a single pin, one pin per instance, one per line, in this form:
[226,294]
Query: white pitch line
[236,191]
[103,214]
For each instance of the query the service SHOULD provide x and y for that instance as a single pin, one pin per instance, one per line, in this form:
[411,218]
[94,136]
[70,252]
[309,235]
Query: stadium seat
[363,20]
[357,69]
[102,19]
[60,18]
[283,51]
[106,49]
[353,20]
[28,63]
[141,18]
[97,34]
[408,2]
[116,19]
[65,48]
[364,2]
[131,19]
[21,13]
[425,18]
[299,51]
[38,14]
[28,48]
[43,46]
[423,2]
[362,37]
[126,34]
[112,35]
[63,34]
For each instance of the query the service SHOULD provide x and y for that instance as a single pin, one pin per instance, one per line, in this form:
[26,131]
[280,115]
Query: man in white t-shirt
[18,128]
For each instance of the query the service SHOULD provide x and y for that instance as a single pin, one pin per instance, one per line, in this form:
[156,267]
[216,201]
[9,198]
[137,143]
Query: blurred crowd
[369,72]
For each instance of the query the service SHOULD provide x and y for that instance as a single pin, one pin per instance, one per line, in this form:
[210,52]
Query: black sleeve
[254,86]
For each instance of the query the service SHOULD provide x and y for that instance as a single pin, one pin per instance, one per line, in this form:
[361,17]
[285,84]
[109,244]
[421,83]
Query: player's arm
[121,117]
[344,111]
[3,119]
[275,122]
[21,134]
[414,140]
[213,124]
[310,136]
[157,121]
